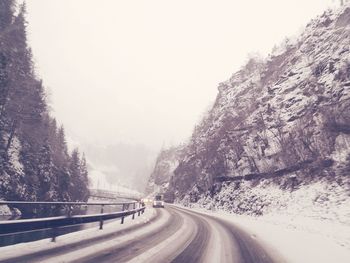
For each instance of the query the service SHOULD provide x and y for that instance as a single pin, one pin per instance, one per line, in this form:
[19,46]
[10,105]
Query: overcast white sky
[144,71]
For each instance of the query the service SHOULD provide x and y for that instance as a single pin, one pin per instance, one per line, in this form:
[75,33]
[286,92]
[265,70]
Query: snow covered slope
[286,115]
[277,140]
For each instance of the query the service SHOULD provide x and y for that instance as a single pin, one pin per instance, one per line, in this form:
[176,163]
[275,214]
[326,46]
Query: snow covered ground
[293,240]
[320,208]
[292,244]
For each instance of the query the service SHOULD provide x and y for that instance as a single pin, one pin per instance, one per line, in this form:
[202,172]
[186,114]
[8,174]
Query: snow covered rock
[277,137]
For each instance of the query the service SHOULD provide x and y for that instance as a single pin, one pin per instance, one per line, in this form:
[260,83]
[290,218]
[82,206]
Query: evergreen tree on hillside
[61,148]
[34,160]
[78,171]
[6,14]
[84,190]
[45,173]
[46,167]
[61,161]
[21,79]
[74,169]
[6,18]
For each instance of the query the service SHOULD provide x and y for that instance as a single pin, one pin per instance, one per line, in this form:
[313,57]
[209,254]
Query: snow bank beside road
[321,208]
[294,244]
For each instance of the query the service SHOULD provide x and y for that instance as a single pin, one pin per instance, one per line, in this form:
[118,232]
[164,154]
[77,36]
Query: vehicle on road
[158,201]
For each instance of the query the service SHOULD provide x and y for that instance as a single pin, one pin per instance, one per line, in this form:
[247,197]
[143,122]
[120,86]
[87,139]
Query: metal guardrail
[24,225]
[64,203]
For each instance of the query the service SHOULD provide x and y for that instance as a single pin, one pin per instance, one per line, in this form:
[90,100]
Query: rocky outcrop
[167,161]
[285,119]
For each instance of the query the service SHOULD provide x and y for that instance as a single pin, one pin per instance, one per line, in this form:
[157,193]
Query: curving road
[173,235]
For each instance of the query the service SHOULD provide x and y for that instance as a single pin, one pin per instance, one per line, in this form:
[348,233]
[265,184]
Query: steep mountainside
[278,125]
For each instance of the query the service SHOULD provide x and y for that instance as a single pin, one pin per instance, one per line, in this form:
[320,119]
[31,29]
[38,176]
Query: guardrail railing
[25,225]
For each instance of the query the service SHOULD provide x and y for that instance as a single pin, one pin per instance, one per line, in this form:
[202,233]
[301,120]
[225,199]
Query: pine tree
[74,169]
[45,171]
[84,180]
[6,18]
[6,13]
[61,148]
[21,80]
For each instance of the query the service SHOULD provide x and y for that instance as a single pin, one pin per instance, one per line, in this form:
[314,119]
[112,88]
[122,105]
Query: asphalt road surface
[173,235]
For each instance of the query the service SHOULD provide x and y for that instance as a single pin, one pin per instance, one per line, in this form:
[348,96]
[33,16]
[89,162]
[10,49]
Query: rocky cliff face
[166,163]
[282,121]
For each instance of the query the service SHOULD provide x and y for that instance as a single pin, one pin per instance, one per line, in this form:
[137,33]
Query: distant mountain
[278,124]
[124,164]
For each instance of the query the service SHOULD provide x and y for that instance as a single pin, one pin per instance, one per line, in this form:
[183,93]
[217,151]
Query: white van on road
[158,201]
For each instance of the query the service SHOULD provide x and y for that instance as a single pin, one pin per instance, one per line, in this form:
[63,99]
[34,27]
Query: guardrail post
[53,234]
[101,220]
[70,209]
[122,221]
[139,207]
[133,214]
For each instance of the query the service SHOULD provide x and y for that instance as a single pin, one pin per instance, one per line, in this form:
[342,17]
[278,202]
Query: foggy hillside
[123,164]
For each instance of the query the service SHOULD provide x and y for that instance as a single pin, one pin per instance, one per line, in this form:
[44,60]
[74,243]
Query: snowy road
[218,240]
[172,234]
